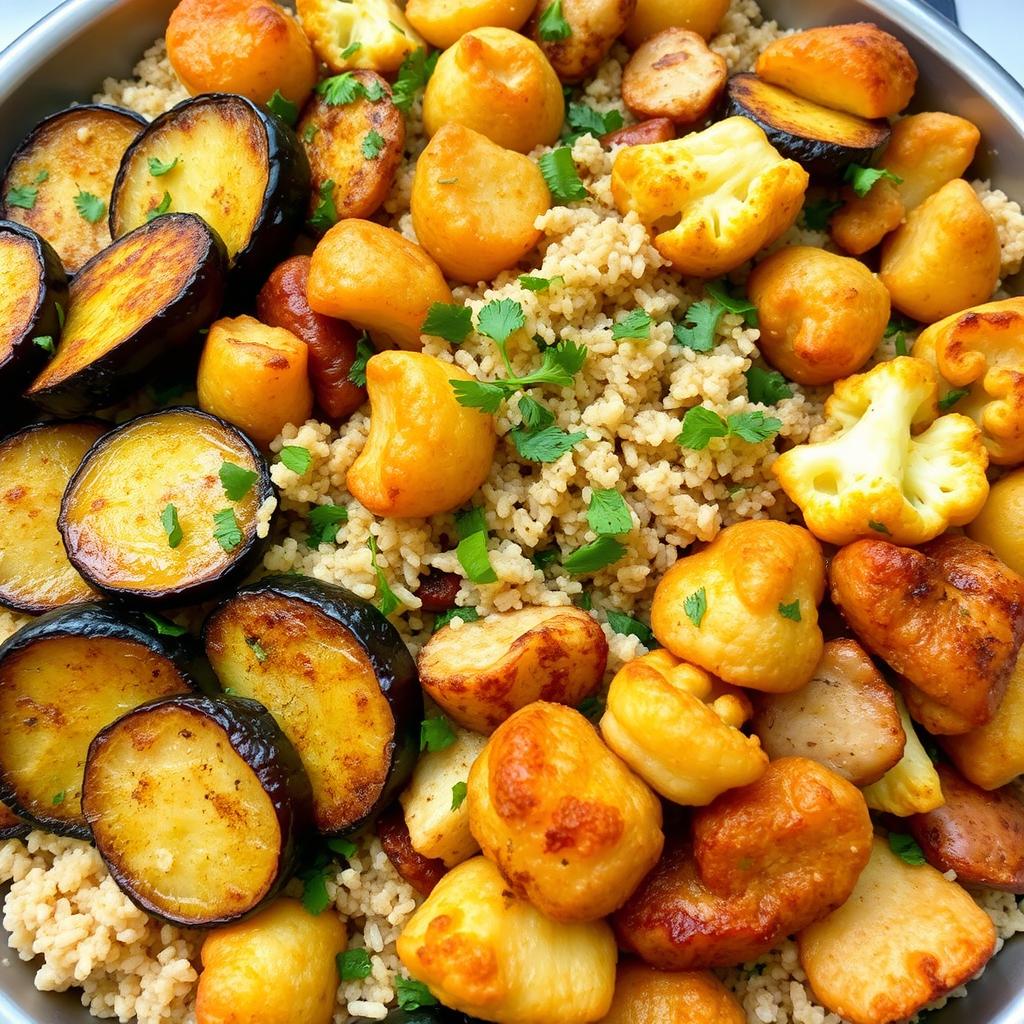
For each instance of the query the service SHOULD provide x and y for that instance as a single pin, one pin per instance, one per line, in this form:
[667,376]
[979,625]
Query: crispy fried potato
[646,996]
[1000,524]
[674,74]
[645,133]
[845,718]
[905,937]
[436,829]
[977,833]
[862,222]
[422,873]
[651,16]
[483,671]
[443,22]
[857,68]
[571,827]
[335,136]
[949,617]
[482,950]
[594,26]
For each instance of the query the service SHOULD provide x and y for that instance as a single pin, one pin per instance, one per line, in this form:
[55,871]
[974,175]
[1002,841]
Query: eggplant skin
[392,664]
[111,357]
[257,739]
[430,1015]
[824,142]
[11,826]
[244,559]
[23,358]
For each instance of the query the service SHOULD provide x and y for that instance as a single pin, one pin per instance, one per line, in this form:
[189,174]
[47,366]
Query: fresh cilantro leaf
[499,319]
[226,531]
[583,119]
[562,178]
[436,734]
[24,197]
[584,601]
[236,481]
[766,386]
[561,363]
[593,556]
[698,326]
[899,343]
[753,427]
[283,108]
[479,394]
[897,329]
[552,24]
[59,798]
[325,213]
[700,425]
[696,606]
[819,213]
[158,168]
[790,611]
[343,847]
[412,995]
[636,324]
[413,75]
[536,417]
[591,707]
[466,614]
[160,209]
[950,398]
[864,179]
[315,897]
[353,965]
[542,559]
[905,847]
[372,145]
[387,602]
[547,445]
[164,626]
[719,291]
[364,352]
[309,132]
[45,342]
[257,649]
[608,513]
[628,626]
[89,207]
[351,49]
[879,527]
[340,90]
[169,519]
[459,791]
[449,321]
[471,550]
[41,177]
[324,522]
[538,284]
[469,521]
[296,458]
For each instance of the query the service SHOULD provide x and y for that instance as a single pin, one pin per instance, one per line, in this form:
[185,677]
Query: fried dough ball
[646,996]
[746,607]
[571,827]
[948,617]
[821,315]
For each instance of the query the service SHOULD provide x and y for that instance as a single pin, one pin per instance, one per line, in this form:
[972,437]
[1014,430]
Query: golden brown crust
[422,873]
[594,25]
[645,133]
[647,996]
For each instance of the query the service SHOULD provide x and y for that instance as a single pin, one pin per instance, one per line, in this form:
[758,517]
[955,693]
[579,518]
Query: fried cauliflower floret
[981,351]
[380,27]
[572,829]
[875,475]
[948,617]
[482,950]
[746,607]
[905,937]
[724,192]
[646,996]
[679,731]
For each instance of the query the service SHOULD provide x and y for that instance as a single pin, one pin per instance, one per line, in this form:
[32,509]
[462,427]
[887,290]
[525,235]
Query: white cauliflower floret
[713,198]
[379,27]
[874,476]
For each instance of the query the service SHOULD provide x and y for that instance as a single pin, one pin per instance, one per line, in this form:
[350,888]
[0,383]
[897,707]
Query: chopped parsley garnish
[158,168]
[753,427]
[169,519]
[863,179]
[89,207]
[546,445]
[499,320]
[628,626]
[591,707]
[387,601]
[449,321]
[41,177]
[257,648]
[283,108]
[583,600]
[897,330]
[352,48]
[226,531]
[950,398]
[45,342]
[24,197]
[790,611]
[324,523]
[739,304]
[552,25]
[636,324]
[593,556]
[563,180]
[583,120]
[58,798]
[372,145]
[767,387]
[343,847]
[436,734]
[879,527]
[341,89]
[236,481]
[542,559]
[466,614]
[700,425]
[315,897]
[412,995]
[608,513]
[536,417]
[471,550]
[325,213]
[905,847]
[819,213]
[364,353]
[164,626]
[161,208]
[413,75]
[296,458]
[459,791]
[532,283]
[696,606]
[353,965]
[698,326]
[309,132]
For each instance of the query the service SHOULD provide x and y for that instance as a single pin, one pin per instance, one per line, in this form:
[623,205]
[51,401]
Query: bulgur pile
[629,400]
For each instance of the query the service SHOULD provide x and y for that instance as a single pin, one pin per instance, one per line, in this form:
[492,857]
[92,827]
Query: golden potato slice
[483,671]
[845,718]
[594,25]
[474,204]
[646,996]
[857,68]
[571,827]
[674,74]
[339,138]
[482,950]
[905,937]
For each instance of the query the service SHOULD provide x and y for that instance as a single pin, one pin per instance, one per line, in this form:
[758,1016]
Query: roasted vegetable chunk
[949,618]
[443,22]
[904,938]
[594,25]
[380,27]
[651,16]
[422,873]
[1000,524]
[646,996]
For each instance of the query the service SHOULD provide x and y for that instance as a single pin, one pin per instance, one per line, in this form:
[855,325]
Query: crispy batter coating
[646,996]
